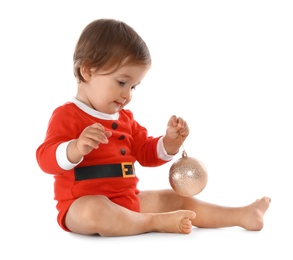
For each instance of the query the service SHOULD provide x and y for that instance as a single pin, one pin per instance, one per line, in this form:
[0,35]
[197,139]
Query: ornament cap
[184,153]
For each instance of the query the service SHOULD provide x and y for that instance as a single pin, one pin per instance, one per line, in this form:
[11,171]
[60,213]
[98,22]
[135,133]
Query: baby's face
[110,92]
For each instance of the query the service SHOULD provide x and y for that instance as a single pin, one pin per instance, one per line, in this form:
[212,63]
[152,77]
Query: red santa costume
[108,170]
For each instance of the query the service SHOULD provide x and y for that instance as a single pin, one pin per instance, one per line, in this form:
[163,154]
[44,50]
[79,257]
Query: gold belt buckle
[127,169]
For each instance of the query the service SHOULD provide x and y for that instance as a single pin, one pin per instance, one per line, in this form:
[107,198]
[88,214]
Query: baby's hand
[90,138]
[177,128]
[176,133]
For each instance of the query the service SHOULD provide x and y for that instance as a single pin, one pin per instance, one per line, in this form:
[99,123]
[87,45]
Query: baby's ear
[86,73]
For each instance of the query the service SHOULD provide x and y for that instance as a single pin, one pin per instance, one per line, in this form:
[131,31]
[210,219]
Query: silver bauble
[188,176]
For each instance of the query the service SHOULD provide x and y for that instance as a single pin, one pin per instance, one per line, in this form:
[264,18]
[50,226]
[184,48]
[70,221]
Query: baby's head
[106,45]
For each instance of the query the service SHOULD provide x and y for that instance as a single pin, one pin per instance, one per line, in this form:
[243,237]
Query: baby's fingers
[173,121]
[97,134]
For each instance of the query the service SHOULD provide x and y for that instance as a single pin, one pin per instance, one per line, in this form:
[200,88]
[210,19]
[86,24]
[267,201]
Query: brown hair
[106,44]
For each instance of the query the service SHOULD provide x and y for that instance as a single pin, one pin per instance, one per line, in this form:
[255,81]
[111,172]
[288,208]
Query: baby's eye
[121,83]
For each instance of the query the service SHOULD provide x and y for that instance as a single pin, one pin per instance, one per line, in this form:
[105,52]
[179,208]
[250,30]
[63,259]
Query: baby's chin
[117,109]
[110,109]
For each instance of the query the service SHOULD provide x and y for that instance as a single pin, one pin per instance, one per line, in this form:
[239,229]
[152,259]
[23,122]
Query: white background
[224,66]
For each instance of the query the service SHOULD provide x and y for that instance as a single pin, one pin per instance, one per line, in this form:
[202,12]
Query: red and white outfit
[129,143]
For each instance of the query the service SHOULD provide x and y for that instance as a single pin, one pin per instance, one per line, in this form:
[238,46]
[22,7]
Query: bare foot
[174,222]
[252,217]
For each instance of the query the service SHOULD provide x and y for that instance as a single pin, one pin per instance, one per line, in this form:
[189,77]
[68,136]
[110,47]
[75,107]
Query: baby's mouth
[120,103]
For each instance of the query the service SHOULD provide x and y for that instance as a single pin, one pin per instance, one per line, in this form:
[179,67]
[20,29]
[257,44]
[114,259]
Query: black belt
[125,169]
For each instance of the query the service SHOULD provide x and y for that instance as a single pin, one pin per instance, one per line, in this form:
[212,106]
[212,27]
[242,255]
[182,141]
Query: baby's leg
[98,215]
[249,217]
[208,215]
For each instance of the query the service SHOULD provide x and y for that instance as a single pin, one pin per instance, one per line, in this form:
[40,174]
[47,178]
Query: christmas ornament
[188,176]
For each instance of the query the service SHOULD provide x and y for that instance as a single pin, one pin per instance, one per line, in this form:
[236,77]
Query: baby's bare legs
[249,217]
[98,215]
[161,211]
